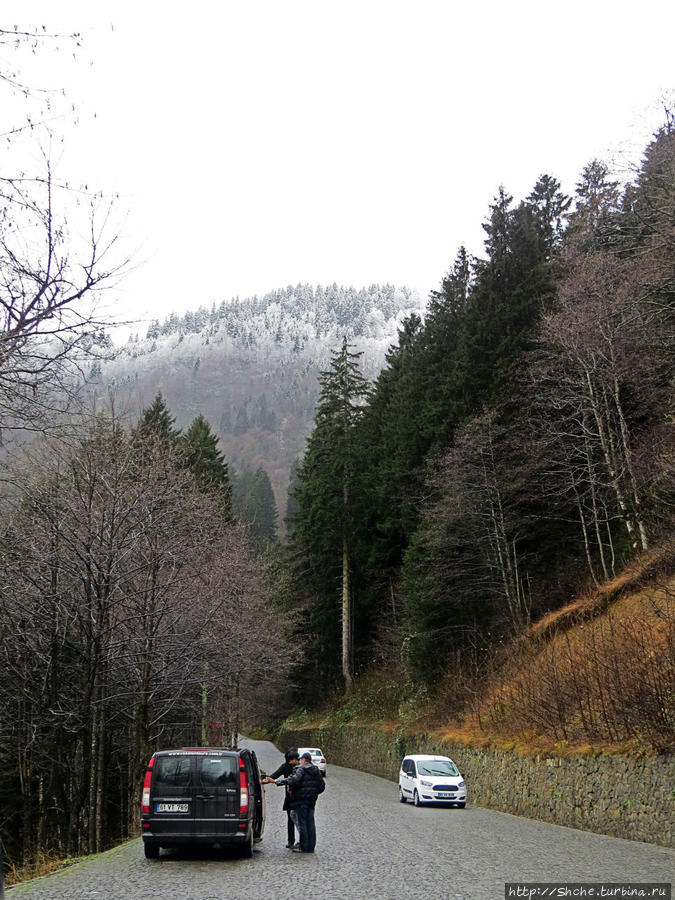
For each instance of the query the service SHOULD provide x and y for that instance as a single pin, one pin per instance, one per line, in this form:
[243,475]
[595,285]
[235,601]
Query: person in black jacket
[285,769]
[305,785]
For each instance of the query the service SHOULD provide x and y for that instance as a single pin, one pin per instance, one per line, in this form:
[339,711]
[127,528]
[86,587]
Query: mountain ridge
[251,365]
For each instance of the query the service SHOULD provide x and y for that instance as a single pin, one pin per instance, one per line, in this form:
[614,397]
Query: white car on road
[318,758]
[431,779]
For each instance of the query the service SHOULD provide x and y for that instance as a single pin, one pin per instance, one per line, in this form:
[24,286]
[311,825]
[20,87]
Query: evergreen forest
[514,453]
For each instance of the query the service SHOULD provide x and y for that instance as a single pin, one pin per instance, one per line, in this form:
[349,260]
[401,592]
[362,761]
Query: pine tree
[253,503]
[292,505]
[266,506]
[647,221]
[156,421]
[327,494]
[551,209]
[198,447]
[594,221]
[241,422]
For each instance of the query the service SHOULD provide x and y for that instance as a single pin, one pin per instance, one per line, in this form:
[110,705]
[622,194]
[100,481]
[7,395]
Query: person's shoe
[290,846]
[296,845]
[298,850]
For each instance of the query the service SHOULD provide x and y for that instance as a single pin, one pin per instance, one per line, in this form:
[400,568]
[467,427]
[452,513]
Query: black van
[202,795]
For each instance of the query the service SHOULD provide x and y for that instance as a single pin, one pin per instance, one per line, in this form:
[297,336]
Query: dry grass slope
[598,674]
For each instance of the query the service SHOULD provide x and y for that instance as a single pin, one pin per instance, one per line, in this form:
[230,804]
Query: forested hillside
[466,476]
[250,366]
[515,449]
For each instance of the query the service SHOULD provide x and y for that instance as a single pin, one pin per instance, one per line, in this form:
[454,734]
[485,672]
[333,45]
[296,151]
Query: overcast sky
[260,144]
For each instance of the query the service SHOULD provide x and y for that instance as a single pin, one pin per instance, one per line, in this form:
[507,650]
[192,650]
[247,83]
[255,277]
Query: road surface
[369,846]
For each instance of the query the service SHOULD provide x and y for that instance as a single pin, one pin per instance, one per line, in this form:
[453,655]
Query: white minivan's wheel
[401,795]
[416,798]
[461,805]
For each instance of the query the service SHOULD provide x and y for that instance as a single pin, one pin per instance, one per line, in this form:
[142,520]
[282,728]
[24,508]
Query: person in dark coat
[304,786]
[285,769]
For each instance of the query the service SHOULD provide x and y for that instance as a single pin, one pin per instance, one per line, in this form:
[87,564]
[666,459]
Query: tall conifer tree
[199,449]
[156,421]
[253,503]
[327,495]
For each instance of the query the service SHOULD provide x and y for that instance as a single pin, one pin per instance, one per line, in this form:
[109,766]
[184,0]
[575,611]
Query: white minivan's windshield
[437,767]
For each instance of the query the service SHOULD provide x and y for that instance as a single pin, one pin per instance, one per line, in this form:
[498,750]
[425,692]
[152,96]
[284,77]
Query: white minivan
[431,779]
[318,758]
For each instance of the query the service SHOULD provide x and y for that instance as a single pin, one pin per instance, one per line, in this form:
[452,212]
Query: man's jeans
[290,829]
[303,816]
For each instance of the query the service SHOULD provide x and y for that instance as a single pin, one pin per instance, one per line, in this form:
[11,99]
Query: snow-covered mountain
[251,366]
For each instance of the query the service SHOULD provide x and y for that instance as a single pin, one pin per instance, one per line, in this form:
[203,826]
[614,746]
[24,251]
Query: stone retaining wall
[627,797]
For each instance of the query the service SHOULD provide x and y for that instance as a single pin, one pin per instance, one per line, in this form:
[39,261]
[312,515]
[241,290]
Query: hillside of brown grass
[597,674]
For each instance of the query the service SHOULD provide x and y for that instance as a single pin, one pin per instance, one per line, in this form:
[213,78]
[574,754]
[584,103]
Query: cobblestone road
[368,846]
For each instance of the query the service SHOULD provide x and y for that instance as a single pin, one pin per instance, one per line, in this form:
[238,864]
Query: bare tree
[600,383]
[125,597]
[49,328]
[56,255]
[603,376]
[473,530]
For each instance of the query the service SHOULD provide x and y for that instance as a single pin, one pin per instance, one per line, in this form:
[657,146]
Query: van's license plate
[172,807]
[444,794]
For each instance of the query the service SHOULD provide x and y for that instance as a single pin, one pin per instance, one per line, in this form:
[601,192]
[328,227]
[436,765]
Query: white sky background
[260,144]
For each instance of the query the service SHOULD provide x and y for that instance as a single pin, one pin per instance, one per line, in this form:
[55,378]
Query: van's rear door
[256,792]
[216,792]
[171,802]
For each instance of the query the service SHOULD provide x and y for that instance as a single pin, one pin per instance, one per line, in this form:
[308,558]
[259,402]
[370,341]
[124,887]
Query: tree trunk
[590,468]
[236,723]
[347,671]
[584,531]
[77,785]
[100,778]
[26,790]
[93,771]
[605,435]
[205,703]
[628,456]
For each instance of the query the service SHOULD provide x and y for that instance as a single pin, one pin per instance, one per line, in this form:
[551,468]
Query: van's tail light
[243,788]
[145,801]
[322,761]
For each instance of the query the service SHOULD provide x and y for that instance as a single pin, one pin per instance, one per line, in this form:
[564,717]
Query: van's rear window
[217,770]
[172,771]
